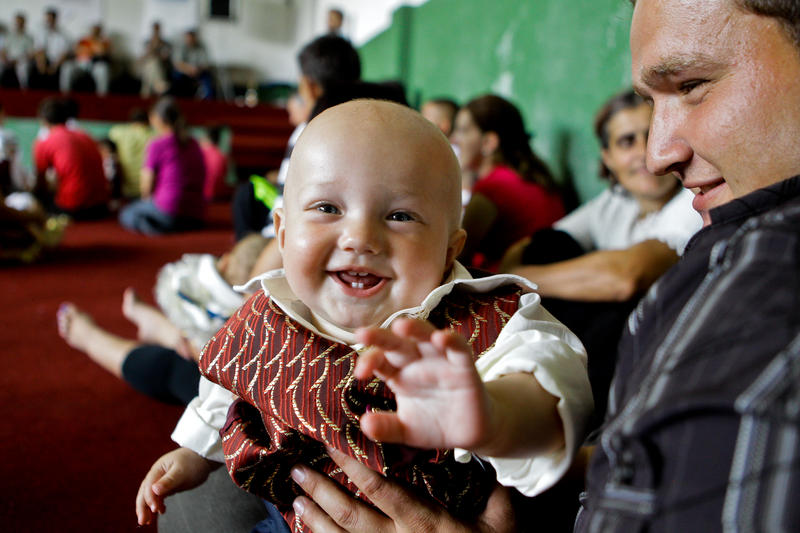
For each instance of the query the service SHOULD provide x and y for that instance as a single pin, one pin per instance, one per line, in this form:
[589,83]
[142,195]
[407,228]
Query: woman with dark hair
[172,177]
[514,194]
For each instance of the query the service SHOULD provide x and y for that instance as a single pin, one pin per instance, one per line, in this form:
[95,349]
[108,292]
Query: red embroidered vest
[298,395]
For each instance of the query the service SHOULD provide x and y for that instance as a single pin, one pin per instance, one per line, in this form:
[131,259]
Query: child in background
[215,187]
[442,112]
[112,168]
[195,295]
[369,233]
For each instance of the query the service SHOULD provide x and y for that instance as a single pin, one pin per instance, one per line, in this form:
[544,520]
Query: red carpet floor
[75,441]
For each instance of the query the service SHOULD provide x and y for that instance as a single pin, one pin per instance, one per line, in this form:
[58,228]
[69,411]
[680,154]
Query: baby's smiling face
[370,218]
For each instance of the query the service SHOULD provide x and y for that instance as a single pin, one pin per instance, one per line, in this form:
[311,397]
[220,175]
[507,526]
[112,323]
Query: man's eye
[688,86]
[400,216]
[328,208]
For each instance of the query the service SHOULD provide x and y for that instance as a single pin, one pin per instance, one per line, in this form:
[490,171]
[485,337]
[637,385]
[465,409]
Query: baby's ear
[280,226]
[454,247]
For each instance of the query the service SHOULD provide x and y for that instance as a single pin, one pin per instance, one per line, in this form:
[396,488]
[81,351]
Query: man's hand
[176,471]
[441,401]
[334,510]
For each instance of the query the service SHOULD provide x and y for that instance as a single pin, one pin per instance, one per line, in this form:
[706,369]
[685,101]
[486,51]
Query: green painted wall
[557,60]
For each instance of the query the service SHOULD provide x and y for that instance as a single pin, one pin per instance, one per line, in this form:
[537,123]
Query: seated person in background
[442,112]
[26,231]
[131,139]
[16,55]
[69,167]
[195,295]
[335,21]
[322,62]
[172,178]
[630,234]
[52,48]
[92,58]
[155,64]
[514,194]
[369,233]
[215,186]
[112,168]
[17,177]
[191,69]
[594,264]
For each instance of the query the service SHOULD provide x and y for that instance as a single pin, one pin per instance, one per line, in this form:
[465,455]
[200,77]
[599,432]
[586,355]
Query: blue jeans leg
[143,216]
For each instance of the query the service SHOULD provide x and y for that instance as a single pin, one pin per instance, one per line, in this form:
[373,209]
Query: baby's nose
[362,237]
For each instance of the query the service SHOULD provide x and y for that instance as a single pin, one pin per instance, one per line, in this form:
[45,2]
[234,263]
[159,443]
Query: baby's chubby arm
[442,402]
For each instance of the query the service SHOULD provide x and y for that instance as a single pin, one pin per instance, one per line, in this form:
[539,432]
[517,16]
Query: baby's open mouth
[358,280]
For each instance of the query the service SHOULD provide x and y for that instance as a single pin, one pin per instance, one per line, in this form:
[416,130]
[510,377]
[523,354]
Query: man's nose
[361,236]
[667,150]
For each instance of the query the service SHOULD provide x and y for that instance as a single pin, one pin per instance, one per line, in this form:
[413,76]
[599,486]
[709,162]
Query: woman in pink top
[514,193]
[172,177]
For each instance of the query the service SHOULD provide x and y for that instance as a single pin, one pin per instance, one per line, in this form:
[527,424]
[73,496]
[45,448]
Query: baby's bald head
[389,136]
[370,220]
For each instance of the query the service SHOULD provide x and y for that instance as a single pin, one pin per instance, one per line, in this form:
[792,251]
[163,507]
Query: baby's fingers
[383,427]
[396,350]
[373,362]
[455,346]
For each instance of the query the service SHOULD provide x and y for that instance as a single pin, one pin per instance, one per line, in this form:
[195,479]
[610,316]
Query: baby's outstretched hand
[441,400]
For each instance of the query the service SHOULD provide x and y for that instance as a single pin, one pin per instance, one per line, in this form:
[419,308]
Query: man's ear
[490,143]
[454,247]
[280,227]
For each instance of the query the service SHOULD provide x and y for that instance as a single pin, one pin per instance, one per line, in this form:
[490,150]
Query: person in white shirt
[16,53]
[52,49]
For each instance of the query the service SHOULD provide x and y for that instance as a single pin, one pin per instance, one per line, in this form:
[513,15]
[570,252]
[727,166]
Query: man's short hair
[329,59]
[53,111]
[786,11]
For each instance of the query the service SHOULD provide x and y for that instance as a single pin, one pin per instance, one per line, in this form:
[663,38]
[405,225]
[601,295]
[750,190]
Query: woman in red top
[514,193]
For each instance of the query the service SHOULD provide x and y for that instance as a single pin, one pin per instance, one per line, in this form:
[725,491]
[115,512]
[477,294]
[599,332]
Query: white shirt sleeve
[533,341]
[199,426]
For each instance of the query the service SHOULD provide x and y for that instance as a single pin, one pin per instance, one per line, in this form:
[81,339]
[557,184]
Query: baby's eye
[401,216]
[327,208]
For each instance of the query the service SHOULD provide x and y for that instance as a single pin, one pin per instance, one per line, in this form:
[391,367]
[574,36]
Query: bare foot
[153,326]
[81,332]
[74,326]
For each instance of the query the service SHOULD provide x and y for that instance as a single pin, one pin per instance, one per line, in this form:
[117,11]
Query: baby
[369,232]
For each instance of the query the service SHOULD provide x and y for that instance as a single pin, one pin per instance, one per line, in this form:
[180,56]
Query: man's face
[50,20]
[365,231]
[19,23]
[725,93]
